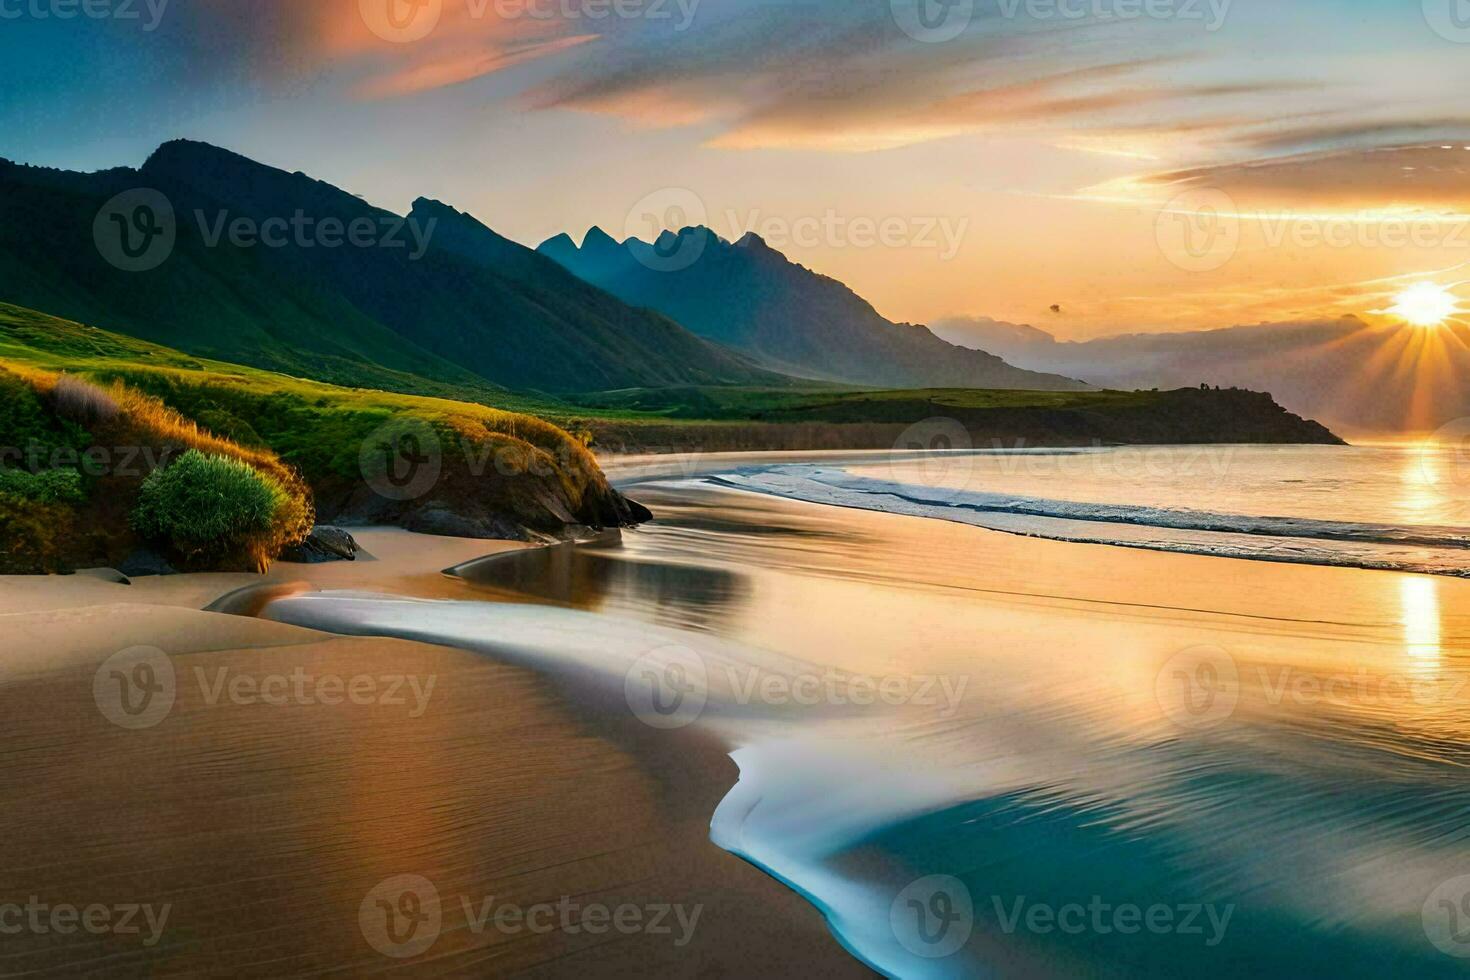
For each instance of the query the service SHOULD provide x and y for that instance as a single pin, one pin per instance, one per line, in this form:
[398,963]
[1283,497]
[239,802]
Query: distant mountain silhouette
[464,306]
[750,297]
[1345,372]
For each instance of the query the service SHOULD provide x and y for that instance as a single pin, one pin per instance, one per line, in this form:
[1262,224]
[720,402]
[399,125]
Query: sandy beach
[265,828]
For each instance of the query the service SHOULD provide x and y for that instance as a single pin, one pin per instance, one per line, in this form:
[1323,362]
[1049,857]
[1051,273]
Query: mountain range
[258,271]
[452,302]
[750,297]
[1346,372]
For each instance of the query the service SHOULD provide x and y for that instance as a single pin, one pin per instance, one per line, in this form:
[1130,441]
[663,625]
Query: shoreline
[647,785]
[643,787]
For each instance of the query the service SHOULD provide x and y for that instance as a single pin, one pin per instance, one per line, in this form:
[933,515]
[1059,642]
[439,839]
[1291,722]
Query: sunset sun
[1424,304]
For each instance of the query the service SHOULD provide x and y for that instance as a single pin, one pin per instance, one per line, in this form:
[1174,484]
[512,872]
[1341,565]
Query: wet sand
[265,827]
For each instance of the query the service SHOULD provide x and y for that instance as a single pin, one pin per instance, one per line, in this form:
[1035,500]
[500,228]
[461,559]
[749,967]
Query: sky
[1088,166]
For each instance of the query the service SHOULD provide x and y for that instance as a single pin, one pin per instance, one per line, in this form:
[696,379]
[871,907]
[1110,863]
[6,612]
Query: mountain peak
[751,240]
[597,238]
[182,153]
[428,205]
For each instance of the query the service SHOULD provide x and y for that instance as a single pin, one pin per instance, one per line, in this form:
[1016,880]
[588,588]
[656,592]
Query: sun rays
[1425,304]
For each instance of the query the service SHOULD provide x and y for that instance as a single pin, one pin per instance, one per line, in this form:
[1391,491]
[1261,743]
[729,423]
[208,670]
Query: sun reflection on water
[1419,604]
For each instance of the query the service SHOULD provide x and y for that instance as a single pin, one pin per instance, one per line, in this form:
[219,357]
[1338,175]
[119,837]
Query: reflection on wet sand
[682,571]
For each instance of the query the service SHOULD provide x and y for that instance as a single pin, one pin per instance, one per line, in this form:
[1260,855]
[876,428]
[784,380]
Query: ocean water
[982,755]
[1397,507]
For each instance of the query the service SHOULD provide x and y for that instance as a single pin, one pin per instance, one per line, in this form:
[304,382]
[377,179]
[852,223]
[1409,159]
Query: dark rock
[111,575]
[144,563]
[322,545]
[442,521]
[635,513]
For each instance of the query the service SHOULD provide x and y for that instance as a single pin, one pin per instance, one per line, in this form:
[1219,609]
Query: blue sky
[1024,118]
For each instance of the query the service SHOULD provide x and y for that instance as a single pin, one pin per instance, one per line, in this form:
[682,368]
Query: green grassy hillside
[845,418]
[499,473]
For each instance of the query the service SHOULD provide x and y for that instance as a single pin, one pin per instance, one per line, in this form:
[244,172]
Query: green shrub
[229,426]
[50,487]
[27,428]
[34,535]
[209,506]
